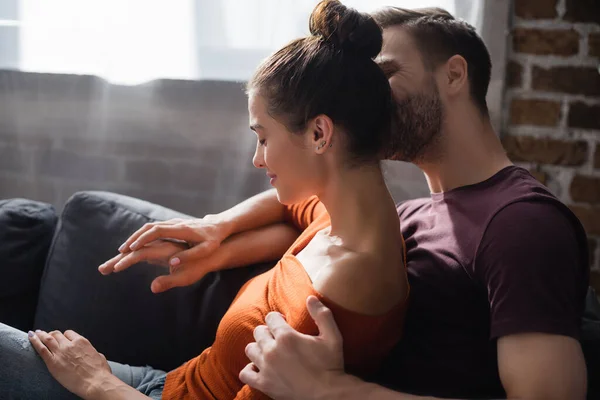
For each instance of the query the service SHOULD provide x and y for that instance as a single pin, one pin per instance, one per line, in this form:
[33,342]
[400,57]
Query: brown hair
[440,36]
[331,72]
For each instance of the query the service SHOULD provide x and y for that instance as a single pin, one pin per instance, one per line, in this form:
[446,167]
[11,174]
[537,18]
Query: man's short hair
[439,36]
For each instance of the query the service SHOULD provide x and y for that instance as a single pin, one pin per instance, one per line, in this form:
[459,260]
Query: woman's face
[289,159]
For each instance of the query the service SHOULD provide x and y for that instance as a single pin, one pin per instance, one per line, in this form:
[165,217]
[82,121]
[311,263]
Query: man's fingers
[180,232]
[249,376]
[40,347]
[324,319]
[254,353]
[263,336]
[126,246]
[196,253]
[277,324]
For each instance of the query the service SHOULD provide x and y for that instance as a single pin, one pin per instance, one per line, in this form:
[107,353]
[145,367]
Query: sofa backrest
[118,313]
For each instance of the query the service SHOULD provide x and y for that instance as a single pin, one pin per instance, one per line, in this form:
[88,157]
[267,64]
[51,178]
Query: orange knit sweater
[214,373]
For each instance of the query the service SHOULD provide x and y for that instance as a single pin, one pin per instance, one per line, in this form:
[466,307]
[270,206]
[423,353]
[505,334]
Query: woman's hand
[204,235]
[159,253]
[72,360]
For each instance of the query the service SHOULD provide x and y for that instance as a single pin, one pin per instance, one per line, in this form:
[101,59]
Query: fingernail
[174,261]
[134,245]
[122,247]
[37,331]
[30,334]
[118,265]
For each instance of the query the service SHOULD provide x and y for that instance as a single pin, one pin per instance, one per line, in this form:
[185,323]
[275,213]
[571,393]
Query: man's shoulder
[409,207]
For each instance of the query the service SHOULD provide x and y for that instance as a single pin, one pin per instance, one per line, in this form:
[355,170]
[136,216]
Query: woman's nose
[257,160]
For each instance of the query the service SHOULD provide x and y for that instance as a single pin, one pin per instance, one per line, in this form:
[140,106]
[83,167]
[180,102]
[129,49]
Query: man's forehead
[397,40]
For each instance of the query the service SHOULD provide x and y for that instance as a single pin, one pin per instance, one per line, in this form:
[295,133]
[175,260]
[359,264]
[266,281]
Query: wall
[552,103]
[182,144]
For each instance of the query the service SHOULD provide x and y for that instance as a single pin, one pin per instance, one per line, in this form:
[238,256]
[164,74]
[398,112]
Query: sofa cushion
[26,229]
[118,313]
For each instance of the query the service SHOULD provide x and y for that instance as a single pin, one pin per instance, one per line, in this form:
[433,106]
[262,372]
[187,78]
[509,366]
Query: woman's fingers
[72,335]
[180,278]
[40,347]
[48,340]
[109,266]
[194,254]
[59,337]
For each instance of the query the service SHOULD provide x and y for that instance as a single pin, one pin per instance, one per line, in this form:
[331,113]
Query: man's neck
[468,152]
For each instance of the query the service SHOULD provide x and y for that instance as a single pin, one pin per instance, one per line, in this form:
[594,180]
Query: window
[9,34]
[132,41]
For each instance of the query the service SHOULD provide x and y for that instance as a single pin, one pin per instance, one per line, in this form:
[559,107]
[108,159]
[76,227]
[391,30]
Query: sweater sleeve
[248,393]
[302,214]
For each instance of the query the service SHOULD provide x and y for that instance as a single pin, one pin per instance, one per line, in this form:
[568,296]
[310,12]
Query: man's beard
[416,126]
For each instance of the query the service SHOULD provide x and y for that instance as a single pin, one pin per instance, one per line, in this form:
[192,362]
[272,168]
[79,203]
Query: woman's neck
[359,204]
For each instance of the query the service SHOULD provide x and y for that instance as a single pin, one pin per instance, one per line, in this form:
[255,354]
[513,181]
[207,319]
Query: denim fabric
[24,376]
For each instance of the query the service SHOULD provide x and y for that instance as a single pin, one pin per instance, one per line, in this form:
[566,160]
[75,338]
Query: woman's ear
[321,135]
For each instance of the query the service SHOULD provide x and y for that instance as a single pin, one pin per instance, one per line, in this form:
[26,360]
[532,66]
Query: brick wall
[183,144]
[552,103]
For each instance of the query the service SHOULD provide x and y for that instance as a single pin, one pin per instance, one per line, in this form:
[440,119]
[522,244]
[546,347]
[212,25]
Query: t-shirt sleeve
[534,266]
[302,214]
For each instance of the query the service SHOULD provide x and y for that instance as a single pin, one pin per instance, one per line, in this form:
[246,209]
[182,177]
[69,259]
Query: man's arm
[286,364]
[255,212]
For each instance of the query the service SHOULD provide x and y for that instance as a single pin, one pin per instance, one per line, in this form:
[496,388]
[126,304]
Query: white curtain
[133,41]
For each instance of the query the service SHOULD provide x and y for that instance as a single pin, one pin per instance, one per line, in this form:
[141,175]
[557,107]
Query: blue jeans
[24,376]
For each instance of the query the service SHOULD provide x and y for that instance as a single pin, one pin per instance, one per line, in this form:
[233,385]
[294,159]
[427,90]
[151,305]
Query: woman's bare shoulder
[366,283]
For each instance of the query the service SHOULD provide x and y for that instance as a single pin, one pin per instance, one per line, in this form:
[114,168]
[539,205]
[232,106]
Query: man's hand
[289,365]
[159,253]
[203,234]
[72,360]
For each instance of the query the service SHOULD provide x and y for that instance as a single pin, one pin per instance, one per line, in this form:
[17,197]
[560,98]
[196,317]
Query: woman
[320,108]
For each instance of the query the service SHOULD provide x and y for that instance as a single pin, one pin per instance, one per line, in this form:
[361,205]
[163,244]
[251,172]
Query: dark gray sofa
[117,313]
[49,280]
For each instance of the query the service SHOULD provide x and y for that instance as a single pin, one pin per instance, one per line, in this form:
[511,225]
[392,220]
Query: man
[498,267]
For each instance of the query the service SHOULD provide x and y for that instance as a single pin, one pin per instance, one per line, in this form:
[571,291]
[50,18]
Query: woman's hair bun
[346,29]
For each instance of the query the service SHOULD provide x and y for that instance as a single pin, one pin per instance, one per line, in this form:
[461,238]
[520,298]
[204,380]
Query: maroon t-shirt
[500,257]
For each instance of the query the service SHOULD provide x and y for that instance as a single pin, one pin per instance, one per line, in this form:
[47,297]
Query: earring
[323,143]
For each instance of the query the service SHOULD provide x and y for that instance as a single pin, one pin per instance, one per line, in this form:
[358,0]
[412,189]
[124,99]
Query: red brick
[594,44]
[541,176]
[532,9]
[597,157]
[585,189]
[545,151]
[584,116]
[589,217]
[582,11]
[545,41]
[573,80]
[514,74]
[534,112]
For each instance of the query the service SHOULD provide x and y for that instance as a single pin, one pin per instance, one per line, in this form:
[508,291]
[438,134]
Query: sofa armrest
[26,230]
[118,313]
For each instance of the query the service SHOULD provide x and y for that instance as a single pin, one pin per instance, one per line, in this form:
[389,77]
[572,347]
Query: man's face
[419,112]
